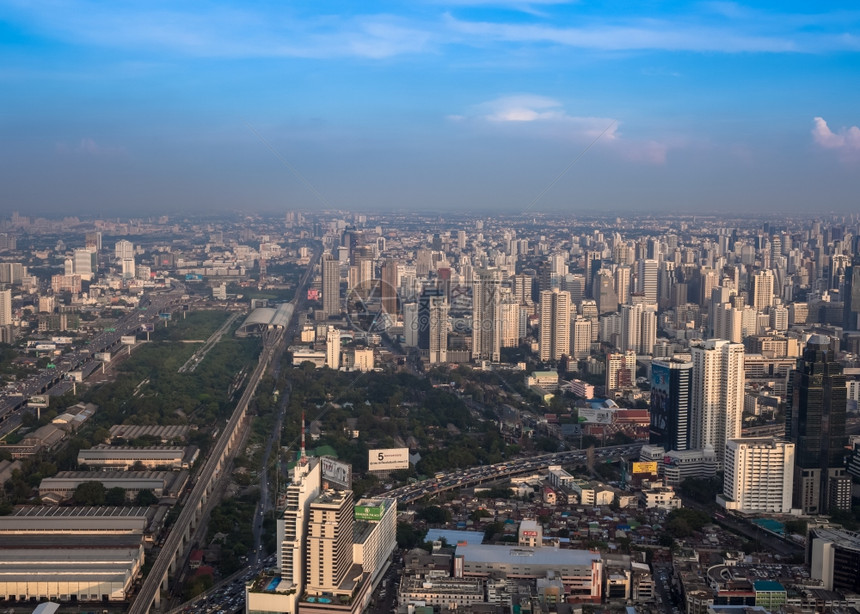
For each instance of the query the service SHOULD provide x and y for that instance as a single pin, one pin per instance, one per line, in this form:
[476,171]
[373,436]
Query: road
[489,473]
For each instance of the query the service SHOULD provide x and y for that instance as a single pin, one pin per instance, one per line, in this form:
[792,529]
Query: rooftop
[545,555]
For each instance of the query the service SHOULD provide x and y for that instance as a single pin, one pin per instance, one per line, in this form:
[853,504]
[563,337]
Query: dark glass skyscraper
[851,301]
[671,382]
[816,424]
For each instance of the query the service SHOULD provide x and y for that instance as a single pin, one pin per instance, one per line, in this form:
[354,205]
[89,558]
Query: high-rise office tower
[554,324]
[330,285]
[815,421]
[123,249]
[851,300]
[604,292]
[390,283]
[486,316]
[646,281]
[433,324]
[671,391]
[758,475]
[762,290]
[292,527]
[410,324]
[717,395]
[329,541]
[592,264]
[666,283]
[332,348]
[5,307]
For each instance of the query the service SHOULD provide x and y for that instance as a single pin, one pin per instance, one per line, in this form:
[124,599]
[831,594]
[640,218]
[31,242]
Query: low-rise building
[126,457]
[581,571]
[661,497]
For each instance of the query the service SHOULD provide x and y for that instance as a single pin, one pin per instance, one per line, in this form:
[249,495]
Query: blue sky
[466,104]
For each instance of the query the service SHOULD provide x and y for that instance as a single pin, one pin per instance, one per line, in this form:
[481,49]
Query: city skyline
[474,105]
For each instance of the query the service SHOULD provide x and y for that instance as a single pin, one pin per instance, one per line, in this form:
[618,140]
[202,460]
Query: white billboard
[336,472]
[598,416]
[388,458]
[128,339]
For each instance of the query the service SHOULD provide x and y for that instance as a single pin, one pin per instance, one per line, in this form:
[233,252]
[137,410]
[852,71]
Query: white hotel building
[759,474]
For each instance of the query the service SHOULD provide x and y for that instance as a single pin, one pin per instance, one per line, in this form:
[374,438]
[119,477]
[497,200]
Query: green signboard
[369,512]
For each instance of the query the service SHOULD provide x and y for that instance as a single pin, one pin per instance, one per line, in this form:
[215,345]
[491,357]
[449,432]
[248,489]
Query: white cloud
[522,108]
[845,140]
[641,36]
[539,116]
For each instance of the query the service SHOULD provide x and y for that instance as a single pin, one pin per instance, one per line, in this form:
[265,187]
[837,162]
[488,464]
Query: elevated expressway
[491,473]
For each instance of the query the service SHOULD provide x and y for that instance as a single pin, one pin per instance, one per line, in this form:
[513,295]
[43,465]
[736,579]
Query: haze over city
[466,104]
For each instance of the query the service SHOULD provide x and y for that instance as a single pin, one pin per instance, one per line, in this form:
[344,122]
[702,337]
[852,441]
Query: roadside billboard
[336,472]
[38,400]
[387,459]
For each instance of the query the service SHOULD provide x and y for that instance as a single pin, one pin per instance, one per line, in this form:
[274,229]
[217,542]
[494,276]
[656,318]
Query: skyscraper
[123,249]
[330,285]
[292,527]
[332,348]
[580,344]
[762,290]
[433,324]
[815,422]
[85,263]
[554,324]
[329,541]
[851,300]
[717,395]
[389,287]
[486,320]
[5,307]
[604,292]
[646,282]
[622,284]
[671,389]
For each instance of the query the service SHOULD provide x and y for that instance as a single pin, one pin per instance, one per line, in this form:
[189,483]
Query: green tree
[492,530]
[433,514]
[408,536]
[145,498]
[90,493]
[115,496]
